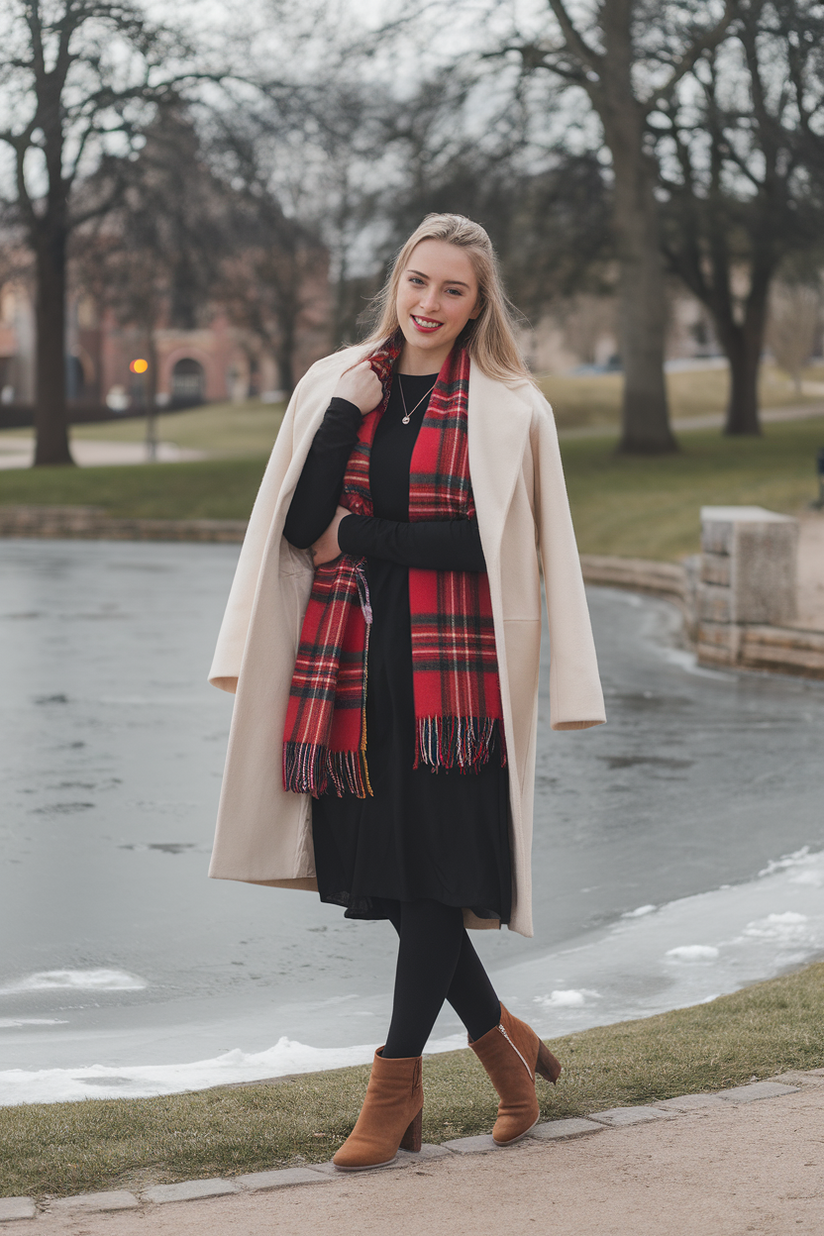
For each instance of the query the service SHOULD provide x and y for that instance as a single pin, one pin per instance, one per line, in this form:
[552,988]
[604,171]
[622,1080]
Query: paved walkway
[702,1166]
[18,452]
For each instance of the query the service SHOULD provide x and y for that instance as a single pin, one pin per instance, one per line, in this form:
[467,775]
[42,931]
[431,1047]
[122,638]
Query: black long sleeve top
[446,545]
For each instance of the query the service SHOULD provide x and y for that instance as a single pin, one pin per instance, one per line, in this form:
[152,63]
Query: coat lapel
[498,422]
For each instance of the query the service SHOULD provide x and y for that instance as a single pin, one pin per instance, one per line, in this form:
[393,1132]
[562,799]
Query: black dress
[439,835]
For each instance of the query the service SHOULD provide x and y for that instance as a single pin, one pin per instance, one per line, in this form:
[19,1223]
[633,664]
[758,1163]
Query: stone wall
[92,523]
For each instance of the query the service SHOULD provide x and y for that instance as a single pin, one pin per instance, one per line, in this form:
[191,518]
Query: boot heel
[547,1065]
[411,1139]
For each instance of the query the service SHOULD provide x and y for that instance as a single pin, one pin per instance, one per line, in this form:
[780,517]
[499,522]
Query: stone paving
[148,1200]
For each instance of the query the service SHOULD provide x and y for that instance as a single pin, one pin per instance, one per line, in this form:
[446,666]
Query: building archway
[188,382]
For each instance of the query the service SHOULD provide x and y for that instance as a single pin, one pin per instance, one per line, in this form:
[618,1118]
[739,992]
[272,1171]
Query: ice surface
[637,967]
[737,935]
[119,953]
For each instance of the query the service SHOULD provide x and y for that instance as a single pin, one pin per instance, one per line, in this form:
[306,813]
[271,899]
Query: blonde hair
[489,338]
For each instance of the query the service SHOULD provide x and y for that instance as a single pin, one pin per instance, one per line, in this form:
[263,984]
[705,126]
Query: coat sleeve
[234,629]
[576,698]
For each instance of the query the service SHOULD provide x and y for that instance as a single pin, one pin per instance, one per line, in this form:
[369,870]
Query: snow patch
[10,1023]
[101,1081]
[790,927]
[694,952]
[76,980]
[567,999]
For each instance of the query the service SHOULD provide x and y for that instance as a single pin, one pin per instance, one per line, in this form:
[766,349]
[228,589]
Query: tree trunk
[285,354]
[743,348]
[50,413]
[743,343]
[642,292]
[645,427]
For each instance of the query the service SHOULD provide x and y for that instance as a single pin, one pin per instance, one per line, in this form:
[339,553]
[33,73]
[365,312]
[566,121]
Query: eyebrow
[412,271]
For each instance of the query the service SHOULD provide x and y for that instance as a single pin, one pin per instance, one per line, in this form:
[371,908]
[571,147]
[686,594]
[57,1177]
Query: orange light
[139,366]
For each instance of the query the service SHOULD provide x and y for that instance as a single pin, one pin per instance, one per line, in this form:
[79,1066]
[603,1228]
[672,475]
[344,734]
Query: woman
[383,634]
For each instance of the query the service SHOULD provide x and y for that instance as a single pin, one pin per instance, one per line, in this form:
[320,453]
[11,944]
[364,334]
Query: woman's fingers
[361,386]
[326,548]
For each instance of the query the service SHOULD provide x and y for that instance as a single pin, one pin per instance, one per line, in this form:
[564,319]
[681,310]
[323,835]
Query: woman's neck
[420,362]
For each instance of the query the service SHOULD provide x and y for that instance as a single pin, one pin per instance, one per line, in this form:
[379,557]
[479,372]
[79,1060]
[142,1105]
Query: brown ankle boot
[512,1053]
[390,1117]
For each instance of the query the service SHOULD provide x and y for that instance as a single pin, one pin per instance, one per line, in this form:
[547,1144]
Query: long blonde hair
[489,338]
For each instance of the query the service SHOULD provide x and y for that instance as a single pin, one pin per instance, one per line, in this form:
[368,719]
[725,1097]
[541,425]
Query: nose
[430,299]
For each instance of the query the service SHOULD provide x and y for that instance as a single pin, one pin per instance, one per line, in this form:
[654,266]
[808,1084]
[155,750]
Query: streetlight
[140,367]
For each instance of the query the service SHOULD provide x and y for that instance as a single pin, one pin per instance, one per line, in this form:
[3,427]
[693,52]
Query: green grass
[223,429]
[207,489]
[229,429]
[581,401]
[625,505]
[649,507]
[64,1148]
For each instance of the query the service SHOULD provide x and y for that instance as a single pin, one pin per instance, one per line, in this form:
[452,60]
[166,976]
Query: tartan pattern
[458,710]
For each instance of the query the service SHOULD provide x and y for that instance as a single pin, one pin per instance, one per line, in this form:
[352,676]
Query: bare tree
[154,259]
[736,169]
[626,57]
[78,80]
[546,209]
[274,282]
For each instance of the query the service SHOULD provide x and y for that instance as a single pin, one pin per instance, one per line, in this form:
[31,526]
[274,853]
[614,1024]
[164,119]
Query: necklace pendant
[405,420]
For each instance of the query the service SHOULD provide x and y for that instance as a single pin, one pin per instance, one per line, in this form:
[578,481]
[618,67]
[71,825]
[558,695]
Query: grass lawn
[595,400]
[231,430]
[649,508]
[222,429]
[635,507]
[207,489]
[98,1144]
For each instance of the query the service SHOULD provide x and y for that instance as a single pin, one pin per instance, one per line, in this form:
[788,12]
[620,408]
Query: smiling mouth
[427,324]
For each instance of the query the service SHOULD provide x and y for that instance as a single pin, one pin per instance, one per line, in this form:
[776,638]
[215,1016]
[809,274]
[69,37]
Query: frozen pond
[678,850]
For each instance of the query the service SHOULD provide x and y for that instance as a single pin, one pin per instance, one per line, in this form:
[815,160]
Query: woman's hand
[326,548]
[361,386]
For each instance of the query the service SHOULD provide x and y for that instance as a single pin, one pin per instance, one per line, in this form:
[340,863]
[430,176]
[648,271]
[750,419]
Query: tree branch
[707,42]
[575,41]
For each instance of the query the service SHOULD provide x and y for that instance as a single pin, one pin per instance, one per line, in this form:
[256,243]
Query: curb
[793,650]
[91,523]
[15,1208]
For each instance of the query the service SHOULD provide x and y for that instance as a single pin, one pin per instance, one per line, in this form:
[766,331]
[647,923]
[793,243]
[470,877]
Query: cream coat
[264,834]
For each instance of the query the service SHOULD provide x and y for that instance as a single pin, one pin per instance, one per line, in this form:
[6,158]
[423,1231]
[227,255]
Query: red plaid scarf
[458,710]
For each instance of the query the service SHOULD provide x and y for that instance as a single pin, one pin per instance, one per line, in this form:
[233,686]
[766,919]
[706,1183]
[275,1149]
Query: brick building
[215,362]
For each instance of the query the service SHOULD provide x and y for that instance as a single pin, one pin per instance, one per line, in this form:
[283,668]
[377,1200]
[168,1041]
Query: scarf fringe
[308,768]
[466,743]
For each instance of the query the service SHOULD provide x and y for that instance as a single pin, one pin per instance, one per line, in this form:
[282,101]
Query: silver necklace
[405,419]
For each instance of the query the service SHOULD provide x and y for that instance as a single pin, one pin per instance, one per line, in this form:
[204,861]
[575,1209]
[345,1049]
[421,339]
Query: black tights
[436,962]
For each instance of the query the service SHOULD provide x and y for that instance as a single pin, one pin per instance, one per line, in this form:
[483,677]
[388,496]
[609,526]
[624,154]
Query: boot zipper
[515,1049]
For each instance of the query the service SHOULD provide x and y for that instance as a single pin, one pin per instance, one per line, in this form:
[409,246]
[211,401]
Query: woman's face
[437,295]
